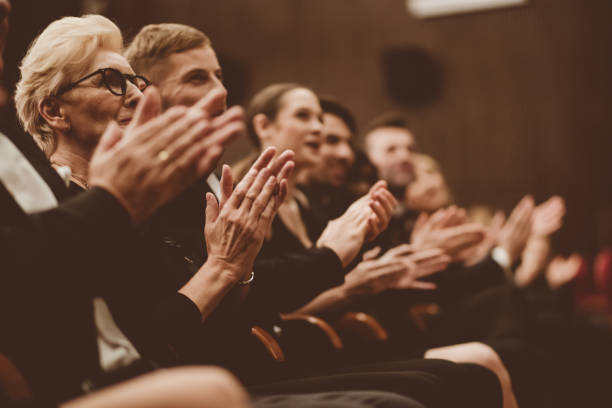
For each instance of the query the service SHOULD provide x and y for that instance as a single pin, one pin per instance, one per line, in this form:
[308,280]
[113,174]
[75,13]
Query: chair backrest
[13,384]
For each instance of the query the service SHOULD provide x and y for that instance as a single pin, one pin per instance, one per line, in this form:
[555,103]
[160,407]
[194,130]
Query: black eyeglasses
[114,80]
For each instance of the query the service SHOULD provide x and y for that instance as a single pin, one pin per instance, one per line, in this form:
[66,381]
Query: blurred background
[510,100]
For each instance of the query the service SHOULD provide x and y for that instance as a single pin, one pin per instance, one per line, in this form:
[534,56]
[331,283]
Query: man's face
[335,153]
[184,78]
[391,150]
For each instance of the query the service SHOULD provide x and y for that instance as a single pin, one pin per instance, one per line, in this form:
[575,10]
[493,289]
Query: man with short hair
[390,146]
[180,61]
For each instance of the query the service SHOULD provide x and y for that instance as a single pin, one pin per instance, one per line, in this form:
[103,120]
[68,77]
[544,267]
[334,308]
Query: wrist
[227,271]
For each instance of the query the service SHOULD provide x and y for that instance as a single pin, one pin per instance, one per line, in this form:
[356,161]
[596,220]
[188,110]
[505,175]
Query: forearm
[209,286]
[286,282]
[331,300]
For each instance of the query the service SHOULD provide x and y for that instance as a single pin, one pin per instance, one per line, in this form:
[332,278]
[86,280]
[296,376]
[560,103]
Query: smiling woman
[74,82]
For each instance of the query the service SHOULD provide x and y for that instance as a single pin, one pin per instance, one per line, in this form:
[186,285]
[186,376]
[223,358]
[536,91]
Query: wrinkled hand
[361,222]
[514,234]
[128,163]
[548,216]
[561,271]
[237,225]
[533,262]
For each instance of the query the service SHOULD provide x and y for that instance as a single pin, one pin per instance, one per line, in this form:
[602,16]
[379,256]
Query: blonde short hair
[155,42]
[58,56]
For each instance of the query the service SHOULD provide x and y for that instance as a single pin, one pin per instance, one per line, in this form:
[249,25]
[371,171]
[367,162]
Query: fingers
[463,236]
[264,196]
[497,221]
[285,172]
[378,185]
[282,191]
[241,189]
[254,190]
[278,164]
[381,215]
[212,208]
[400,250]
[268,214]
[185,132]
[149,134]
[208,102]
[227,184]
[264,159]
[420,285]
[148,107]
[371,254]
[111,136]
[426,254]
[386,199]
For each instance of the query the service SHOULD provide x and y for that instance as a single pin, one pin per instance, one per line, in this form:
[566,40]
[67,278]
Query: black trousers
[339,399]
[434,383]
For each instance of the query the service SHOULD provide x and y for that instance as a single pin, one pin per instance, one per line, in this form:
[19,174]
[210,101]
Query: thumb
[212,208]
[111,136]
[371,254]
[148,107]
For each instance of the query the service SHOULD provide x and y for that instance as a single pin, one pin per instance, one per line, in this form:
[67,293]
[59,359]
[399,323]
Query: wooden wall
[520,97]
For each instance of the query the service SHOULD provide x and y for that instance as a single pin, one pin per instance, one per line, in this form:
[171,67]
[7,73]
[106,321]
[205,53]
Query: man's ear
[262,124]
[51,110]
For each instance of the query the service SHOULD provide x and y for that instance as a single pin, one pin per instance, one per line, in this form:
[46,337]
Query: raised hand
[562,270]
[515,232]
[534,260]
[445,230]
[548,216]
[362,221]
[159,155]
[236,226]
[492,231]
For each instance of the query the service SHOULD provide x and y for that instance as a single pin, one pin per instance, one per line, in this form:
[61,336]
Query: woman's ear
[53,113]
[262,124]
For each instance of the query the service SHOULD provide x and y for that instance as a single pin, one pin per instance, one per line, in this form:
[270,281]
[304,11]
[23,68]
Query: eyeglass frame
[126,78]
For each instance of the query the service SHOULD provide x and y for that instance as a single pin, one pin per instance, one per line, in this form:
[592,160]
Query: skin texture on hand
[548,216]
[492,231]
[237,225]
[534,260]
[362,221]
[446,229]
[128,163]
[398,268]
[561,270]
[515,233]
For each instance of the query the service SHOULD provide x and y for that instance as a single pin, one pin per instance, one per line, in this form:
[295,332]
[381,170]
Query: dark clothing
[435,383]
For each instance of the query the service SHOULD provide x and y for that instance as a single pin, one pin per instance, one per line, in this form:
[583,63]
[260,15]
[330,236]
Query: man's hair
[332,106]
[389,119]
[154,42]
[58,56]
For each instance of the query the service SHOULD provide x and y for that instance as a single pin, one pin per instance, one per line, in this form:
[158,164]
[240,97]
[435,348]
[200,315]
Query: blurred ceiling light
[434,8]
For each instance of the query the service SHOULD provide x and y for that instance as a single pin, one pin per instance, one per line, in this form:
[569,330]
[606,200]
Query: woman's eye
[304,115]
[198,78]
